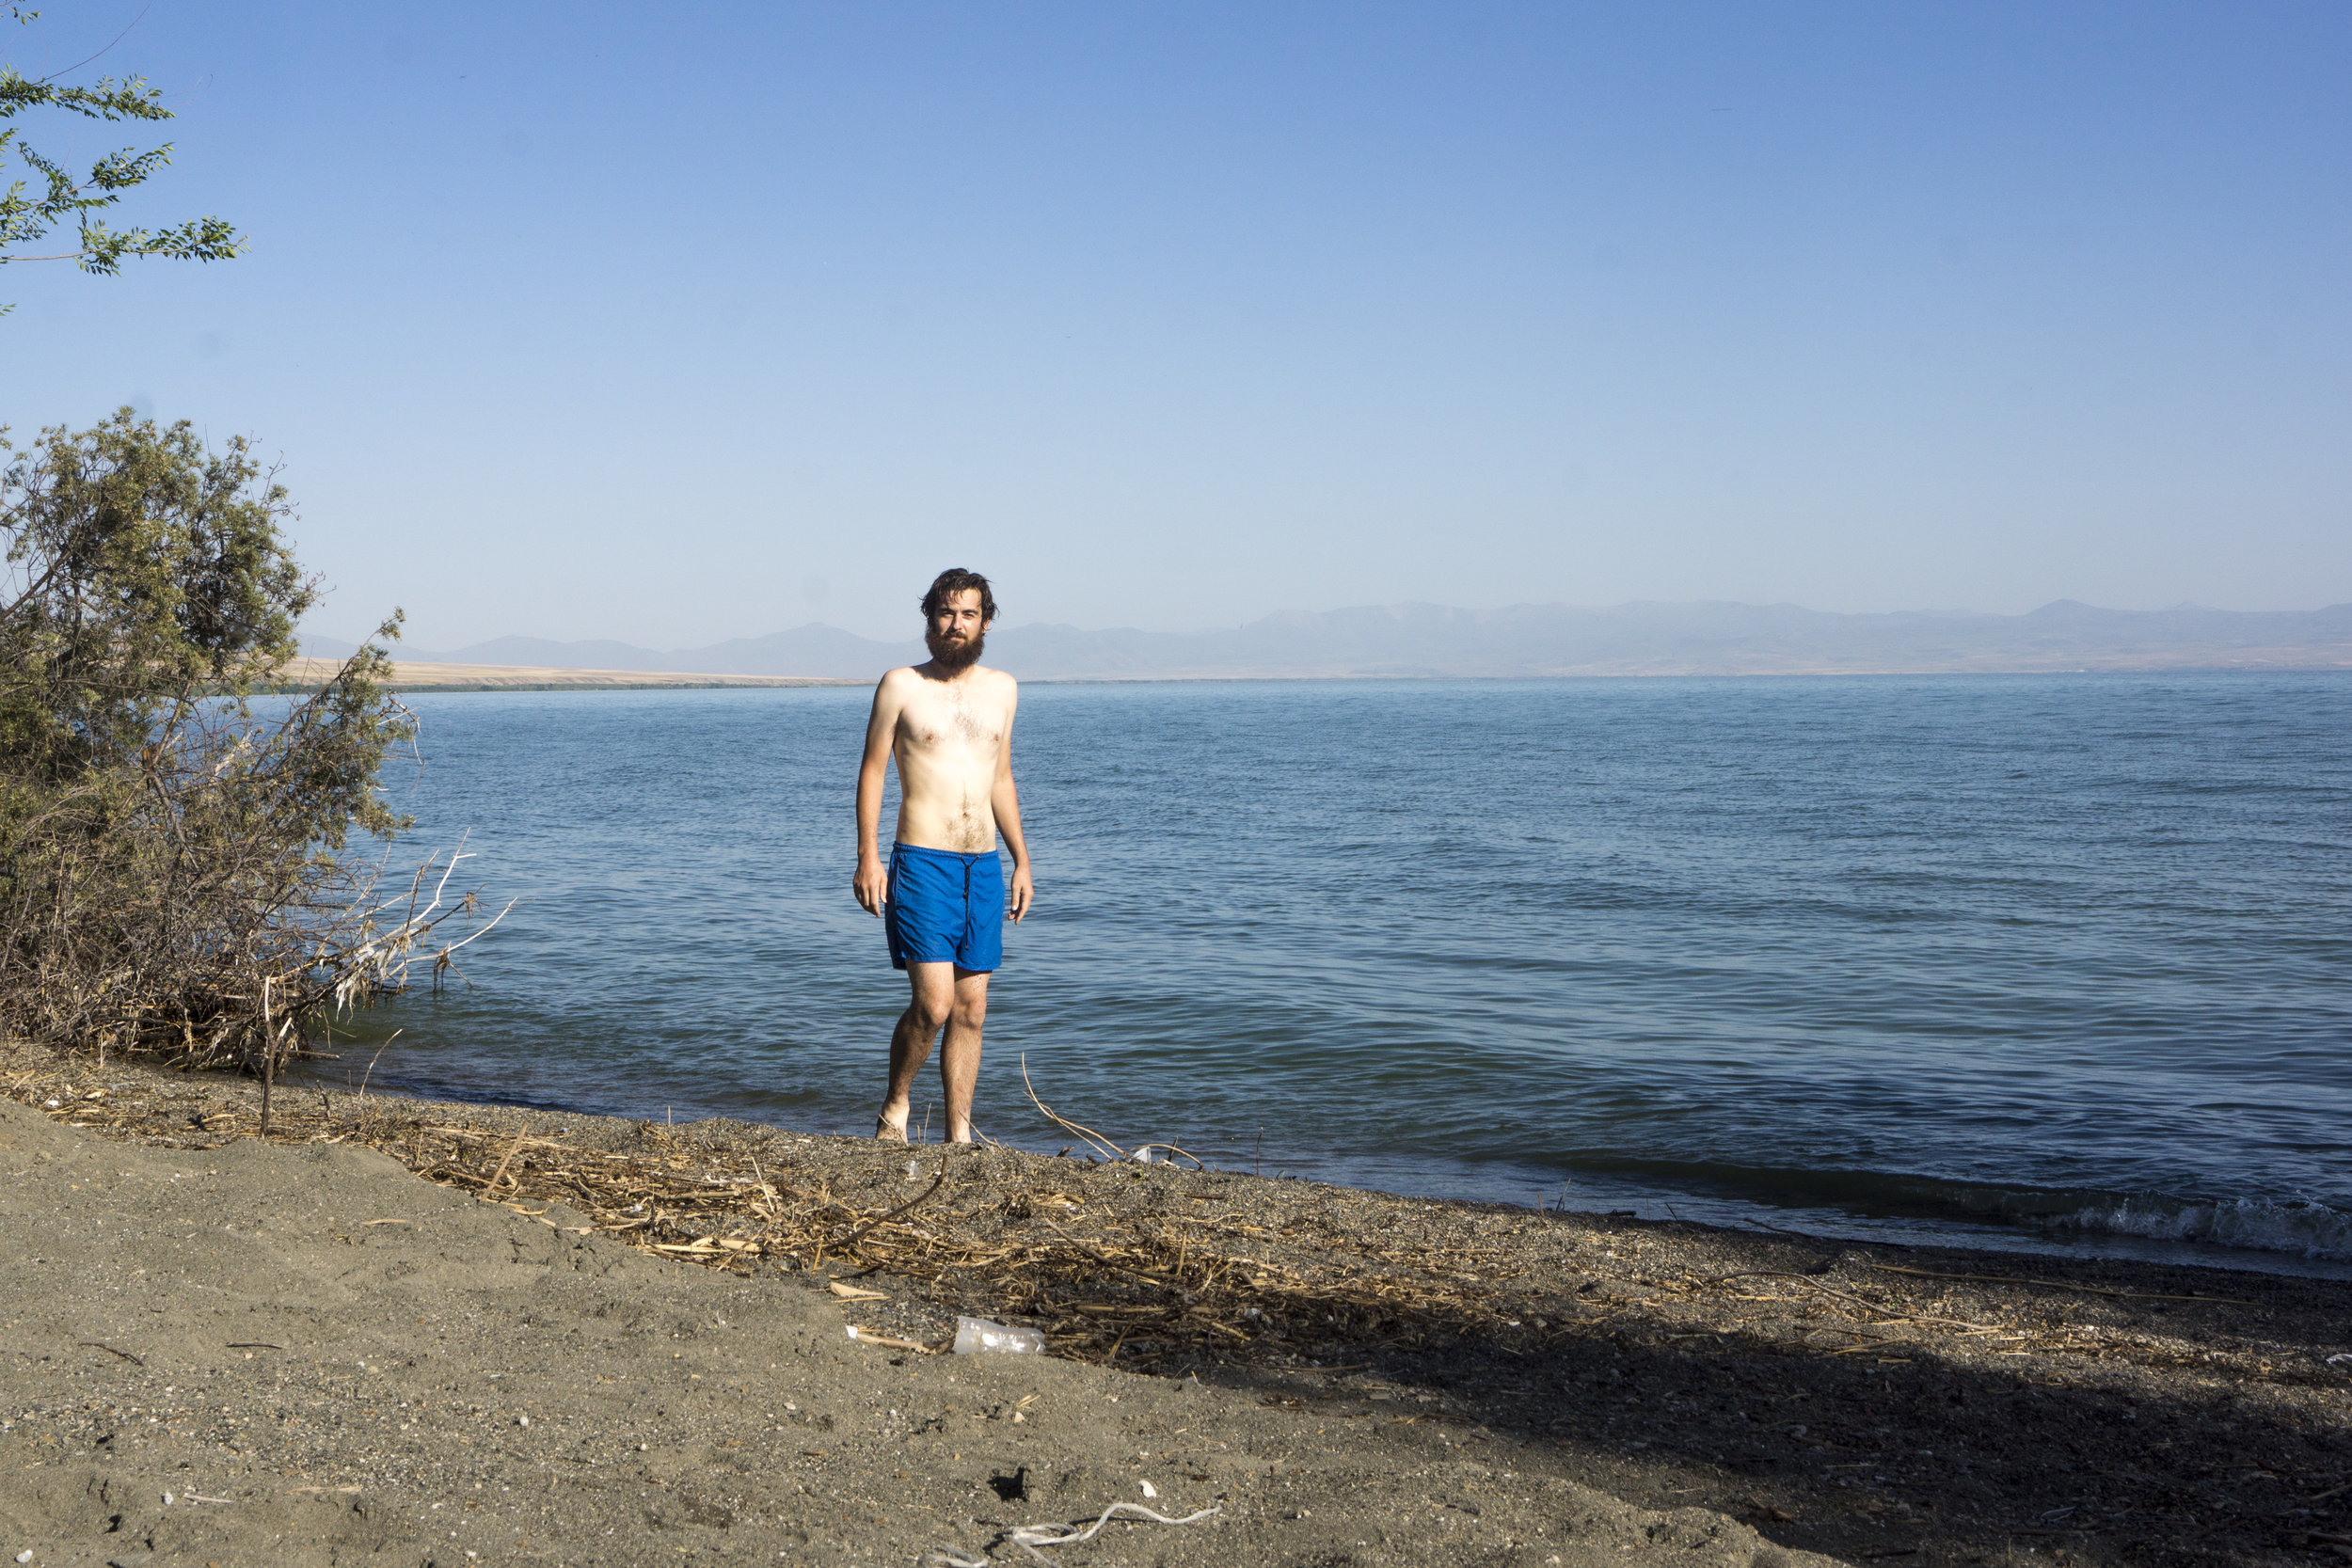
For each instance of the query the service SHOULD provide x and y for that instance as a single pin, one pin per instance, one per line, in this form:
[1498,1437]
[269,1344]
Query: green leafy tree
[177,870]
[55,197]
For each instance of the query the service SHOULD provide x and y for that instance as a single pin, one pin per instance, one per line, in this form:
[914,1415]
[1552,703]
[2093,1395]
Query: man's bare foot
[889,1131]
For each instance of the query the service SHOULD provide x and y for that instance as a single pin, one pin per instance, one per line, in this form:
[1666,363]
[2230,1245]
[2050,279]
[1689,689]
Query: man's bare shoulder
[1000,683]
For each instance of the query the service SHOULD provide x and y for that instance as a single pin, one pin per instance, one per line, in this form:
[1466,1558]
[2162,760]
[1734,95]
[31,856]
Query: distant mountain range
[1712,637]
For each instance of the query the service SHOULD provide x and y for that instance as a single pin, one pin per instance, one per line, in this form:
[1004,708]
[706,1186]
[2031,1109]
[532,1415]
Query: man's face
[956,632]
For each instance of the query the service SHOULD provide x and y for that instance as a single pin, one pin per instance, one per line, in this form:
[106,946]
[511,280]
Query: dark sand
[225,1323]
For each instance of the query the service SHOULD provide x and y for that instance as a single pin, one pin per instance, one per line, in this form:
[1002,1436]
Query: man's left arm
[1004,799]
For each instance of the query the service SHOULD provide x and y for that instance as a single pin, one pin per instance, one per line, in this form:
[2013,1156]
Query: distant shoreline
[420,676]
[1527,642]
[413,676]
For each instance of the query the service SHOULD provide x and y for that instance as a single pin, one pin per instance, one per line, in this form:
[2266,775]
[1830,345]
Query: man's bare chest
[951,723]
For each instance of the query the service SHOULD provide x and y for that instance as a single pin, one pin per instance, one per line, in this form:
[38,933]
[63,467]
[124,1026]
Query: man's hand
[871,885]
[1021,892]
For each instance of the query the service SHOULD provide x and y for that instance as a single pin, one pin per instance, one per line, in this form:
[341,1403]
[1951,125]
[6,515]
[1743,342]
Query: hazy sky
[673,323]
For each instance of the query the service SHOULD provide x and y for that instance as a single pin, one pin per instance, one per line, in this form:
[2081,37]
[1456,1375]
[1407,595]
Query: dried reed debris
[1150,1266]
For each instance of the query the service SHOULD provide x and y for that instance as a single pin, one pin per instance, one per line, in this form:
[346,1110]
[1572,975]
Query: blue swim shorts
[945,907]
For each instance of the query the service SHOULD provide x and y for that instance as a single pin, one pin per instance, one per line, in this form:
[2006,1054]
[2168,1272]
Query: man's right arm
[872,882]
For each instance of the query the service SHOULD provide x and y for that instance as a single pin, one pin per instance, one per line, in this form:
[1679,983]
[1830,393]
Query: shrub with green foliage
[176,870]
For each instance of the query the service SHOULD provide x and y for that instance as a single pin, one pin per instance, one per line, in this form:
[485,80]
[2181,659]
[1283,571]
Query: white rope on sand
[1030,1537]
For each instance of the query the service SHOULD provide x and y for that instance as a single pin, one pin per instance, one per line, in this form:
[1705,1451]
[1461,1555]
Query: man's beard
[954,655]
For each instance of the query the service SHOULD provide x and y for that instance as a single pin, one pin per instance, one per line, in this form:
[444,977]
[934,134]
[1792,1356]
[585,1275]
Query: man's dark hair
[955,580]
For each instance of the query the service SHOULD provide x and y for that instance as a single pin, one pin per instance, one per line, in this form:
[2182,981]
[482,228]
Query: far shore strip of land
[412,676]
[421,676]
[581,1339]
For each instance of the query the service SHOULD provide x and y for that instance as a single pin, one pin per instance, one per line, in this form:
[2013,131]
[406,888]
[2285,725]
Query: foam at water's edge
[2251,1231]
[2312,1230]
[2281,1224]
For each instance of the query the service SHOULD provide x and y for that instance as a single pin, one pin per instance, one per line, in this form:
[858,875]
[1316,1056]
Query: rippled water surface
[2043,961]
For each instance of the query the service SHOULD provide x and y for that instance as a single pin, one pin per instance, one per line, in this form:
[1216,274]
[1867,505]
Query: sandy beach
[225,1350]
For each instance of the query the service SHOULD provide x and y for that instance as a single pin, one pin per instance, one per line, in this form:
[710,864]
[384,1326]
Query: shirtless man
[948,726]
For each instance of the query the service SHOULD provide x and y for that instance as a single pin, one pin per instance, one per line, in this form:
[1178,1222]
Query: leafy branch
[30,209]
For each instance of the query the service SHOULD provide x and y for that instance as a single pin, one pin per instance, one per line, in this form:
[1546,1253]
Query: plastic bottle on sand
[977,1335]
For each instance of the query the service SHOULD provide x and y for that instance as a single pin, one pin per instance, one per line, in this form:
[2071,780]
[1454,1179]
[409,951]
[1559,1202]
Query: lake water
[2045,961]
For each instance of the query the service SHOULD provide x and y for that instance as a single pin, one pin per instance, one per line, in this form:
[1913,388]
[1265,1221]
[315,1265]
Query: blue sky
[677,323]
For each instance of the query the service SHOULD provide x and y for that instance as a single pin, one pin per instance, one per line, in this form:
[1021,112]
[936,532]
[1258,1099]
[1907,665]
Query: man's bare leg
[960,1055]
[944,997]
